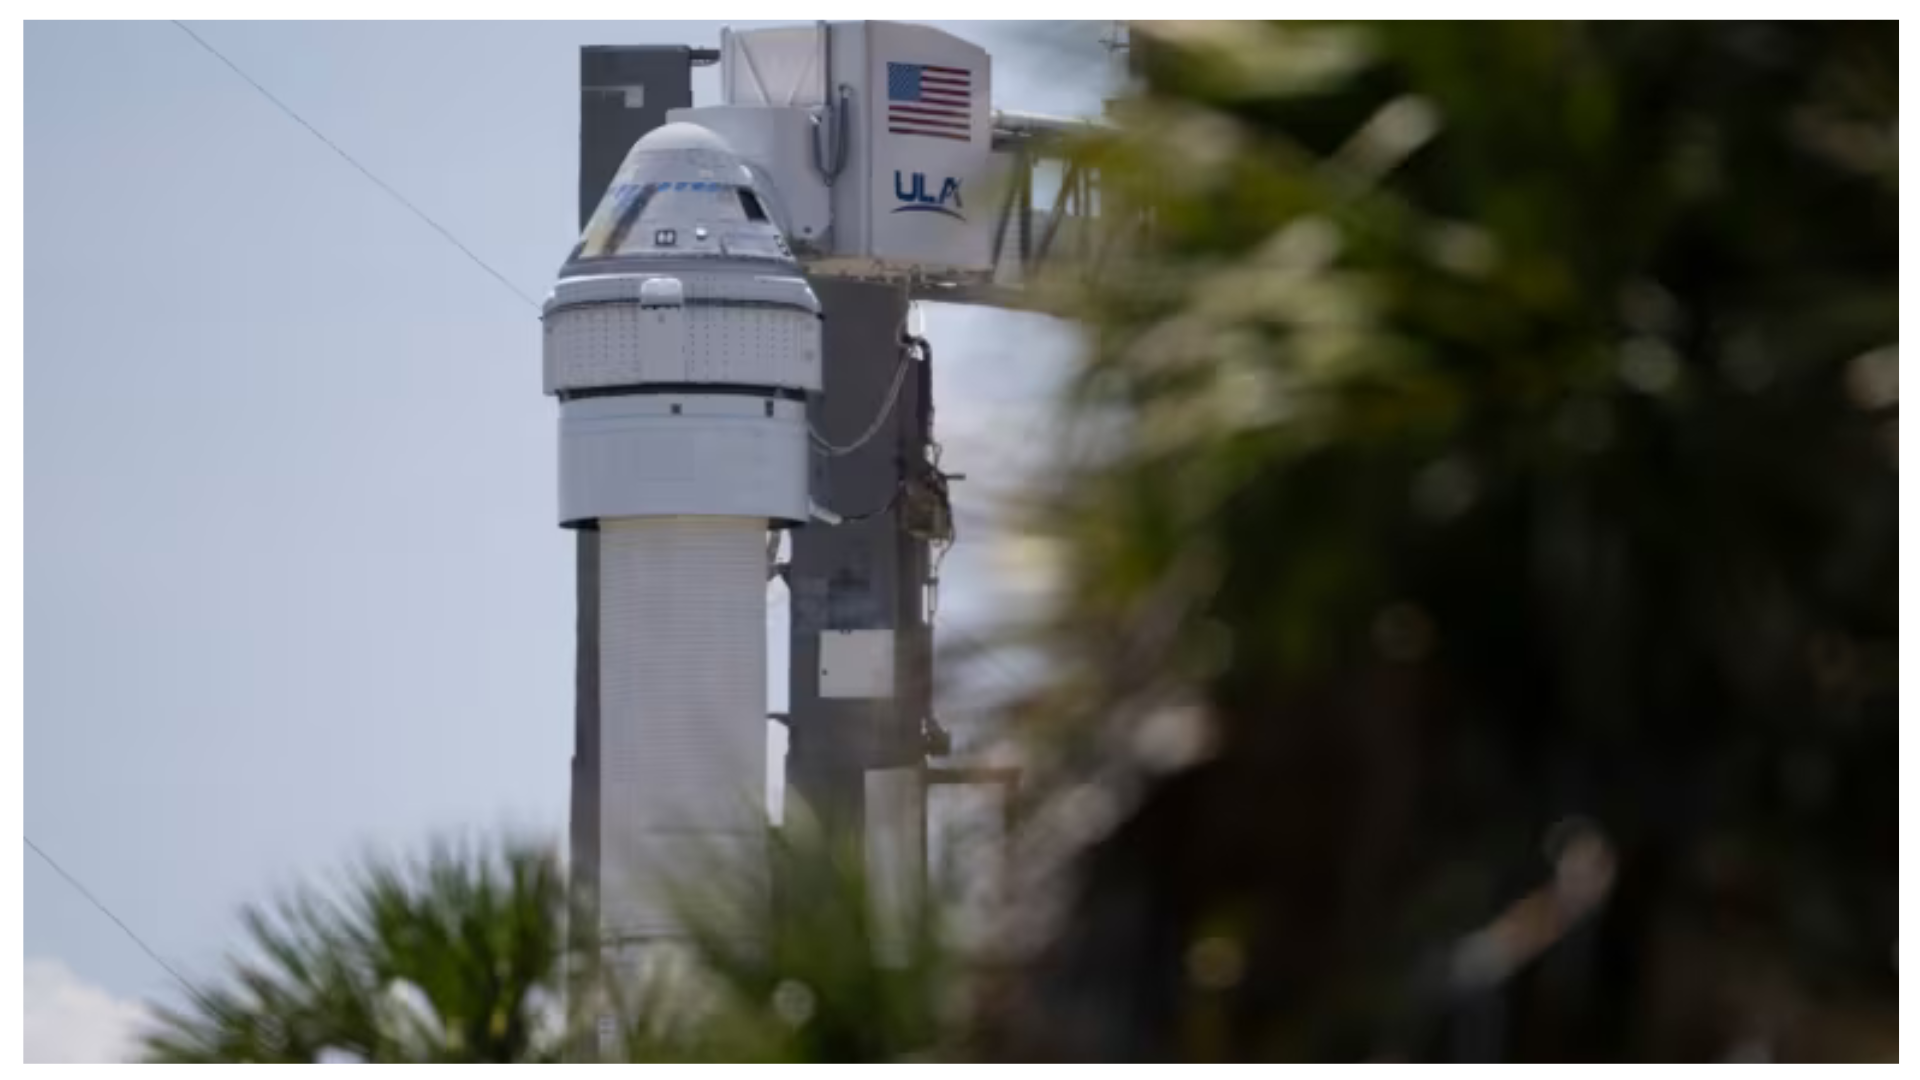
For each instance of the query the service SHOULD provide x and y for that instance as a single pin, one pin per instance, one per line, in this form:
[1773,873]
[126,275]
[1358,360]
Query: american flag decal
[923,99]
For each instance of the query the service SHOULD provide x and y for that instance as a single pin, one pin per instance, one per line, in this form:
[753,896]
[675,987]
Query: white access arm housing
[875,138]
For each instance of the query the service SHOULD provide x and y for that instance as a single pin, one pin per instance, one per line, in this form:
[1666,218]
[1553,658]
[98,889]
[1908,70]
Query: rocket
[681,342]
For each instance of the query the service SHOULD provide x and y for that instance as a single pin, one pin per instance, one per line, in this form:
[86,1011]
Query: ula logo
[914,198]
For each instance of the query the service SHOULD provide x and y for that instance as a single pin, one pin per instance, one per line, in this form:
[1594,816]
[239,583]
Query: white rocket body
[681,342]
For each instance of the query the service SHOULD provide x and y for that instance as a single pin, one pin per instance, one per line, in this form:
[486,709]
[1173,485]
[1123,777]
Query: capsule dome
[682,193]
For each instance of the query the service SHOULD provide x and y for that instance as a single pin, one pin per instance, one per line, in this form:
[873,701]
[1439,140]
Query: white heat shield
[683,738]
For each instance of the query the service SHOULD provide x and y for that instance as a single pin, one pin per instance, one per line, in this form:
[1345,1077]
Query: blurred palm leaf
[464,956]
[456,957]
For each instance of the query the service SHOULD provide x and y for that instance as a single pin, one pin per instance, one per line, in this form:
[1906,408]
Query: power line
[364,171]
[104,910]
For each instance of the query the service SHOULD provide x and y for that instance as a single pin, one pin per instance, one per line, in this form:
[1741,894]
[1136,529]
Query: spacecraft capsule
[682,342]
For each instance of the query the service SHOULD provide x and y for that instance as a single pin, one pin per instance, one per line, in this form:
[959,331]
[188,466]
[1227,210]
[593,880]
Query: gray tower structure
[870,572]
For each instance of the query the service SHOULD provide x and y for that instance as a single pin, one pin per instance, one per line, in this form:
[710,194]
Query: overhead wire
[363,170]
[117,921]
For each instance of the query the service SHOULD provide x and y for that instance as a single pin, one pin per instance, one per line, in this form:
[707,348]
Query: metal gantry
[1028,239]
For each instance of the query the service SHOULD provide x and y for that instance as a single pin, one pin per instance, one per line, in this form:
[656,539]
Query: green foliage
[465,957]
[1492,424]
[454,958]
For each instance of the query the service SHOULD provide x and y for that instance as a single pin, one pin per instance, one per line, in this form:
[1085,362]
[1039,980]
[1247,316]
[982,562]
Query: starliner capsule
[682,343]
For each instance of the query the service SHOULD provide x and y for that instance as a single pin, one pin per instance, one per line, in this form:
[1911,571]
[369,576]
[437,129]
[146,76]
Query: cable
[879,419]
[893,500]
[933,572]
[364,171]
[124,928]
[908,344]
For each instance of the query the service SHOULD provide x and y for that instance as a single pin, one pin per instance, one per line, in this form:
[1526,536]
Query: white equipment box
[856,664]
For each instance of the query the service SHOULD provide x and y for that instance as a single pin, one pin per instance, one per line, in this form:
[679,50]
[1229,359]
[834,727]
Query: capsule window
[751,204]
[608,235]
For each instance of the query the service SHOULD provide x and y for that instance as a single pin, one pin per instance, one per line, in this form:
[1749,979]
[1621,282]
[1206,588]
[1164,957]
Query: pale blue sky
[293,582]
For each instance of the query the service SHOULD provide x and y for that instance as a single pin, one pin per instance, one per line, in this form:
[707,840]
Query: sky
[293,585]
